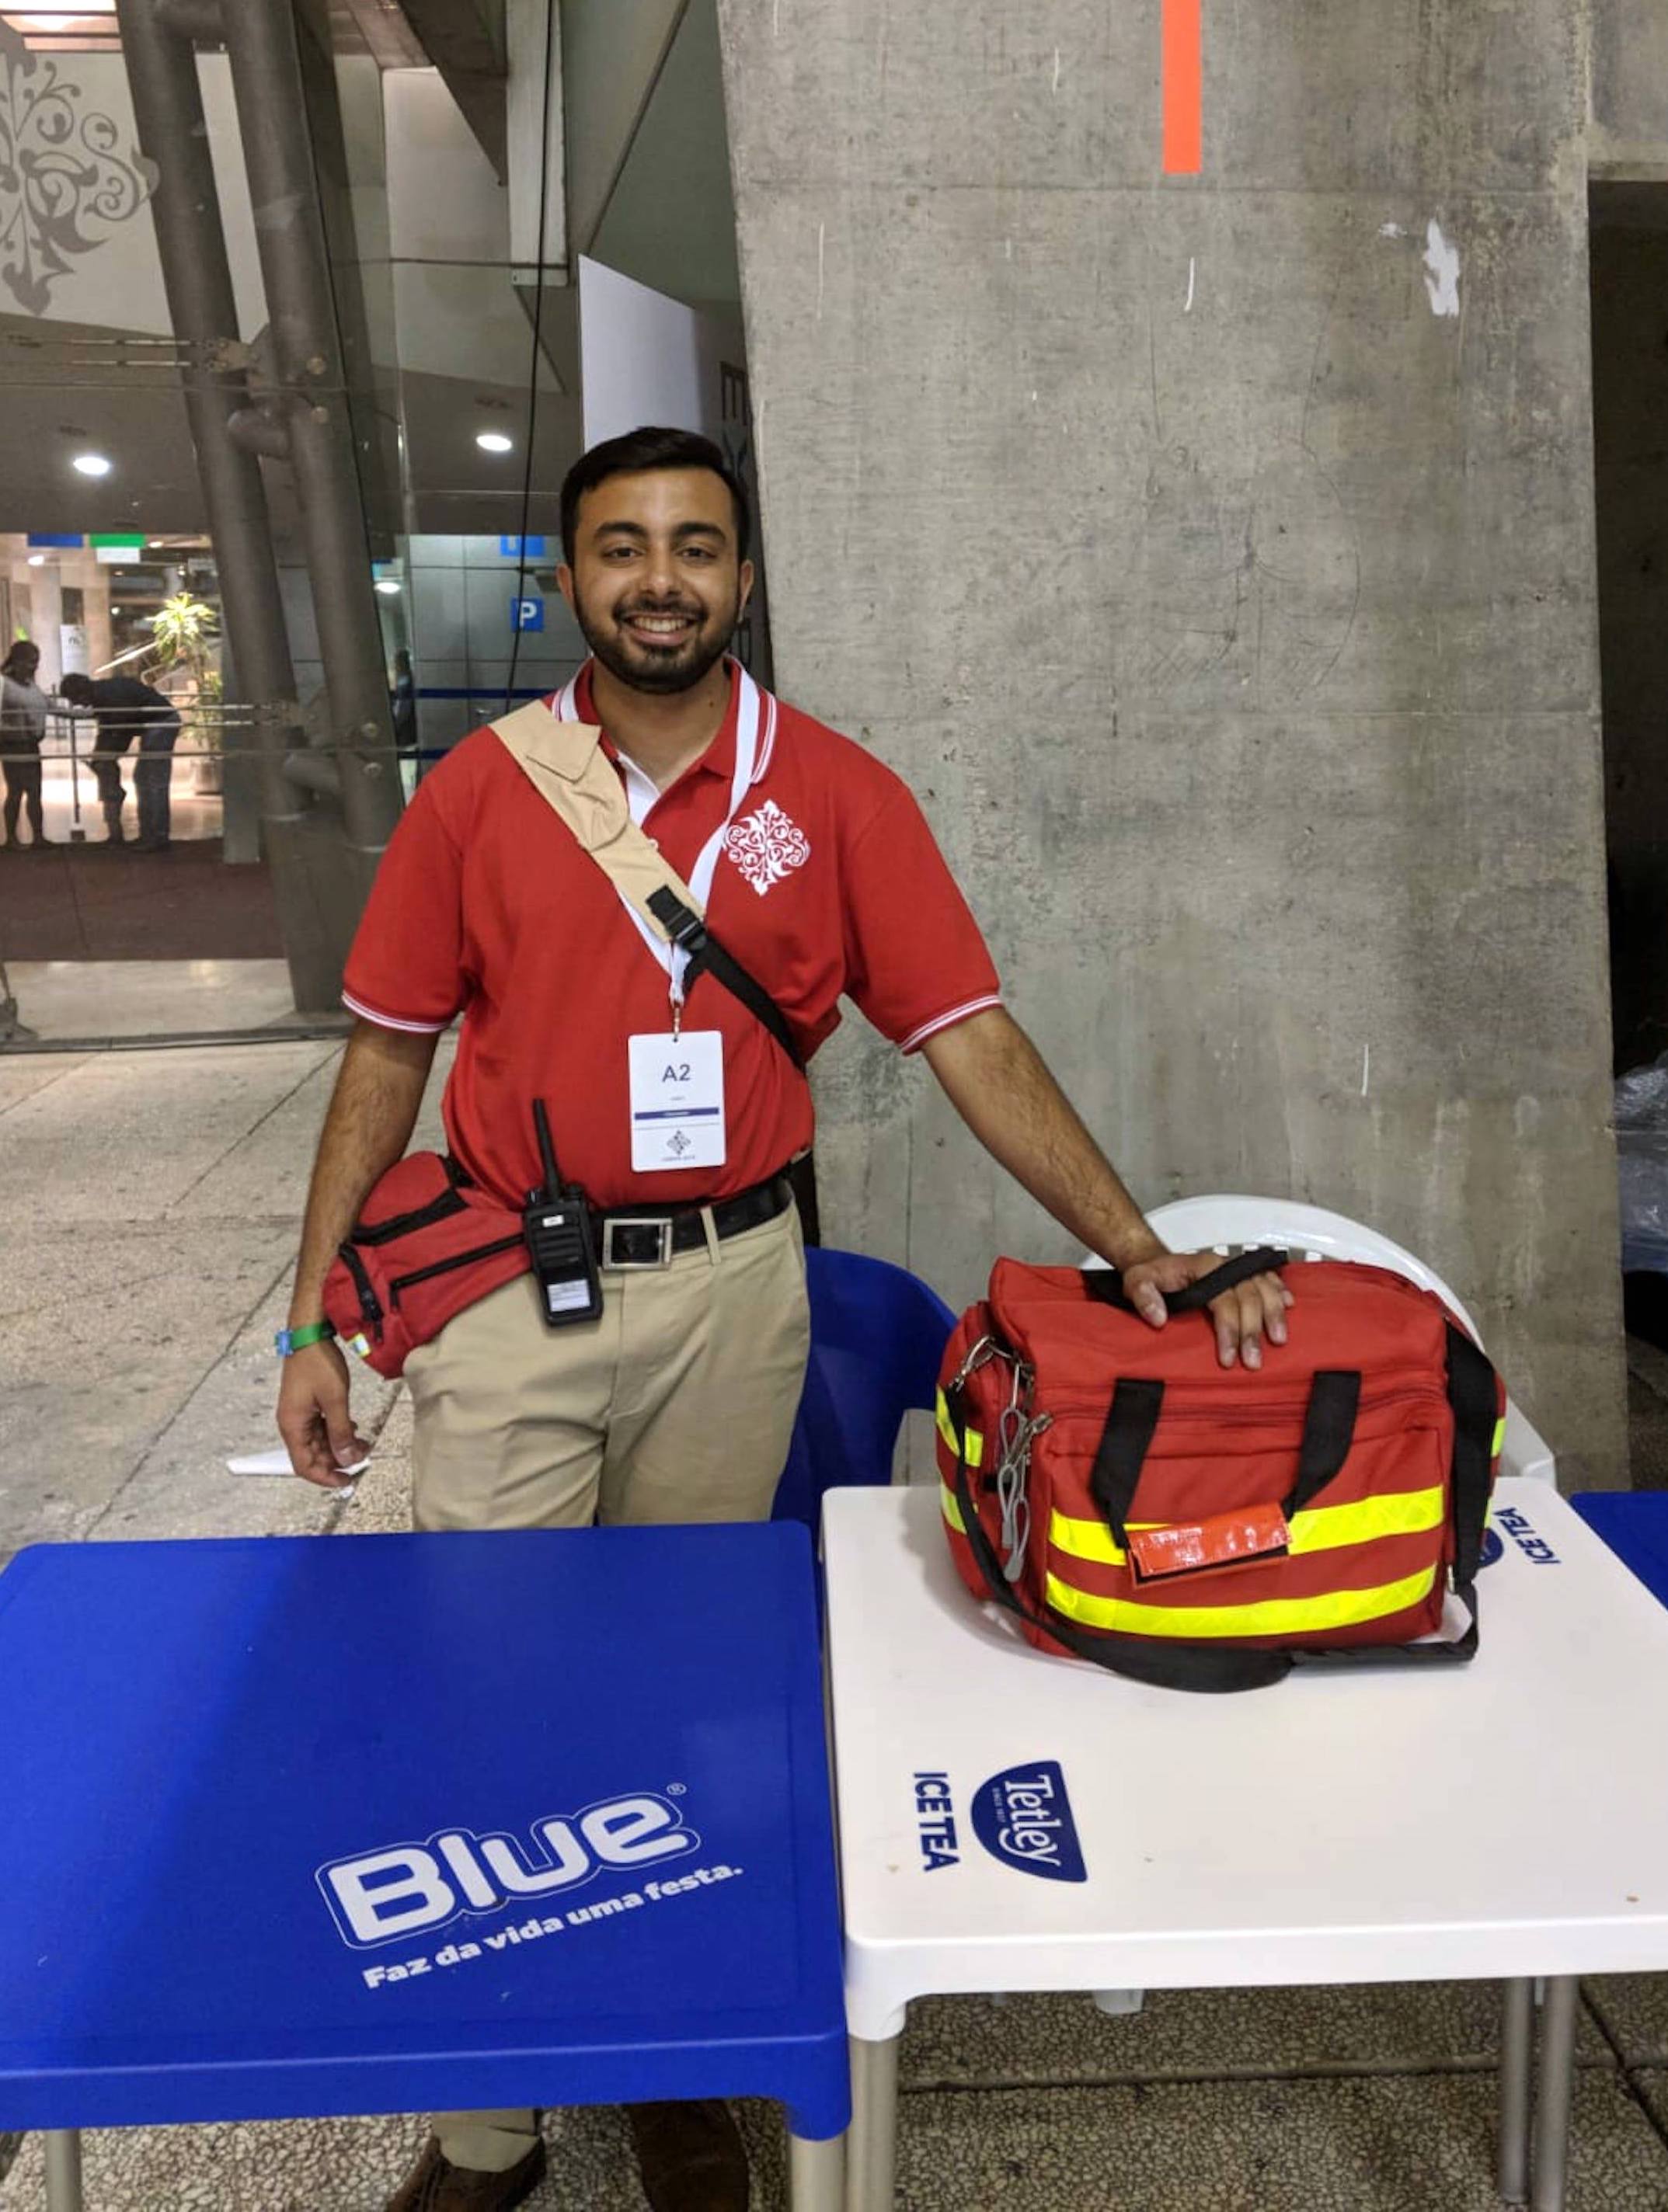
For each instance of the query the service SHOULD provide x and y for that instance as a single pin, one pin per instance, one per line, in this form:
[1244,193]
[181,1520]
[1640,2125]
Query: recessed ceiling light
[91,465]
[387,585]
[37,560]
[493,441]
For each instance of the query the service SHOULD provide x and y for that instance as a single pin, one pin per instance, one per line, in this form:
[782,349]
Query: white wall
[612,52]
[456,312]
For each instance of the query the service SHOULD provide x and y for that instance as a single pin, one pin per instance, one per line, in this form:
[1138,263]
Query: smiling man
[819,876]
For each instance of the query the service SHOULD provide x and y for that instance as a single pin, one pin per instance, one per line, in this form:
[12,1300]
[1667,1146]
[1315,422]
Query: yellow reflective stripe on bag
[946,1429]
[1499,1445]
[950,1510]
[1317,1528]
[1273,1616]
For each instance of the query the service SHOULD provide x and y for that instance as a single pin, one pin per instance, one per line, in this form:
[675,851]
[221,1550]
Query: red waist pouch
[427,1245]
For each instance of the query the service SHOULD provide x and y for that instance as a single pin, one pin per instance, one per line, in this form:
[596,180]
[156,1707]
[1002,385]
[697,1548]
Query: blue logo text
[935,1821]
[1518,1528]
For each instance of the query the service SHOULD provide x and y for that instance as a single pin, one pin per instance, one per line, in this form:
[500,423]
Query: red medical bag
[1132,1502]
[426,1246]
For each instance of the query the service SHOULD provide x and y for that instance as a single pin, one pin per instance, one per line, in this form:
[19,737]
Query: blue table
[1635,1524]
[393,1823]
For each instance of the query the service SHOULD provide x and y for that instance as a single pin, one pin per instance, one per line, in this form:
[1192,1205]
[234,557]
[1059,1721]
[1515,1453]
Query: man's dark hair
[637,452]
[76,686]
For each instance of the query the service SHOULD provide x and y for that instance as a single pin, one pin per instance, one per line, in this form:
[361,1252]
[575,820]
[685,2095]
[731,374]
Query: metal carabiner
[985,1349]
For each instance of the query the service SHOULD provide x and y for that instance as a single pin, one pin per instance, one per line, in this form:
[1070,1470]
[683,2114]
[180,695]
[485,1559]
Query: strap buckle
[661,1227]
[682,924]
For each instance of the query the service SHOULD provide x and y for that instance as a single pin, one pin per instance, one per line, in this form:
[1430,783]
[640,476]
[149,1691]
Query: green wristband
[297,1339]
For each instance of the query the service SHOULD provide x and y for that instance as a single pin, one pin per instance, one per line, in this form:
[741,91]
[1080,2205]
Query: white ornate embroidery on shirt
[766,846]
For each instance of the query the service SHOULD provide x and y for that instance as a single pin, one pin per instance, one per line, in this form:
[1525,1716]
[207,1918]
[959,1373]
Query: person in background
[12,1030]
[22,727]
[402,704]
[126,708]
[402,700]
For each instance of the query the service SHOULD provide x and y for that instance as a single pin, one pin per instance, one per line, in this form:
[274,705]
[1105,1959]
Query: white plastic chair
[1225,1224]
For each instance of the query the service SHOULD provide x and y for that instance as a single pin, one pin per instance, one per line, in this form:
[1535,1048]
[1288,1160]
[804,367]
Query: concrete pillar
[1214,555]
[1629,90]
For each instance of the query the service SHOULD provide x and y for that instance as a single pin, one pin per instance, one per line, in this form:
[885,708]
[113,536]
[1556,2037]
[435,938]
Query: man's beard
[657,669]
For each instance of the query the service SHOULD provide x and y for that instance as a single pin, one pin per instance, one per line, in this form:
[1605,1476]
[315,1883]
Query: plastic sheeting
[1641,1156]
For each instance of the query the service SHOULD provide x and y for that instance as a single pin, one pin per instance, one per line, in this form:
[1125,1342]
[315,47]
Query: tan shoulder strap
[567,766]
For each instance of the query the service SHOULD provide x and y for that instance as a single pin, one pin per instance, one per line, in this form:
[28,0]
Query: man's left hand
[1243,1316]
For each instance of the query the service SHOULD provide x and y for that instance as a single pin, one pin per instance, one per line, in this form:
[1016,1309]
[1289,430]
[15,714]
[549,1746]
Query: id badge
[677,1100]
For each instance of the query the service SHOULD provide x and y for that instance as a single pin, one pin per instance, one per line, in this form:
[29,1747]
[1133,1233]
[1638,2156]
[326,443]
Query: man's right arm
[372,1114]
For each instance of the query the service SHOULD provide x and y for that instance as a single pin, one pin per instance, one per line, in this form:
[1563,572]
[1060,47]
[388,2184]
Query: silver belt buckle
[662,1222]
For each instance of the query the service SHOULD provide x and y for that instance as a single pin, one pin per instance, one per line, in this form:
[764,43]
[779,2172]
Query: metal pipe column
[64,2170]
[168,106]
[871,2143]
[1553,2093]
[277,154]
[816,2175]
[1516,2078]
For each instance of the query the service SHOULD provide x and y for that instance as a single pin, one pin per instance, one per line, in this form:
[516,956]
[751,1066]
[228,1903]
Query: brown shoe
[690,2156]
[434,2184]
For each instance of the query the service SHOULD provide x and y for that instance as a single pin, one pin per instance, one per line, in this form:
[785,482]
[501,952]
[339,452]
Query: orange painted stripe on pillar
[1184,88]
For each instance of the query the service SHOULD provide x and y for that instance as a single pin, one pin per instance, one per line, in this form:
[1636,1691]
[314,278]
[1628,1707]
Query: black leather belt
[630,1238]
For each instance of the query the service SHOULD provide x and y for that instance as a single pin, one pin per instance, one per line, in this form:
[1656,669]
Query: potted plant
[184,634]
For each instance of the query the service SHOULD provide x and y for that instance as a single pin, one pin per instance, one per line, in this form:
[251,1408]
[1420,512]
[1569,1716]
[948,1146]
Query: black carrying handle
[1105,1286]
[1474,1396]
[1200,1666]
[1329,1430]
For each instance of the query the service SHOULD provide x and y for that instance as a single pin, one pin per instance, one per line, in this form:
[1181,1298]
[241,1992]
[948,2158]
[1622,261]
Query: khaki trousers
[677,1405]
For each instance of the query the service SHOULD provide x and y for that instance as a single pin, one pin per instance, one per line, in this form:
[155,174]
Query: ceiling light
[387,585]
[91,465]
[493,441]
[37,560]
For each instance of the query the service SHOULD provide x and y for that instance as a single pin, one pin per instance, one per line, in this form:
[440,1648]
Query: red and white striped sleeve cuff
[916,1038]
[393,1021]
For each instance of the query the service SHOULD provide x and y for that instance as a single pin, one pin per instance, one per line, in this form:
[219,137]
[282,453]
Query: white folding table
[1012,1821]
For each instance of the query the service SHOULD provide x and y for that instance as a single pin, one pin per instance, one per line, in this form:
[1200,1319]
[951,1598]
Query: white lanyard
[671,957]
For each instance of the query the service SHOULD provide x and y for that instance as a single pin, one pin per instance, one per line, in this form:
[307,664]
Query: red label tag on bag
[1226,1540]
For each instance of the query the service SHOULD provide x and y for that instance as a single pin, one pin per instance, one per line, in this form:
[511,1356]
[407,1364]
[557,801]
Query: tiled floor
[152,1212]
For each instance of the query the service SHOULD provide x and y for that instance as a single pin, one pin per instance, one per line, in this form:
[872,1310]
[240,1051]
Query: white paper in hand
[278,1462]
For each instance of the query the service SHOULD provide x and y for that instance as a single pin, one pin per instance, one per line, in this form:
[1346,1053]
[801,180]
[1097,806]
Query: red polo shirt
[829,884]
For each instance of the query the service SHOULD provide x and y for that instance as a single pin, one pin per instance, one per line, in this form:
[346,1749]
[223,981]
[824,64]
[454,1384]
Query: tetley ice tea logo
[1022,1817]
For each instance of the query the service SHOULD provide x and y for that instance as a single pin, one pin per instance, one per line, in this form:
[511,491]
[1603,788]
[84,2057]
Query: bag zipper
[370,1309]
[1253,1410]
[445,1267]
[421,1217]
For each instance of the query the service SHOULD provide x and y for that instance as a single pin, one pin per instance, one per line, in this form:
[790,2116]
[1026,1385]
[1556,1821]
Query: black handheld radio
[557,1225]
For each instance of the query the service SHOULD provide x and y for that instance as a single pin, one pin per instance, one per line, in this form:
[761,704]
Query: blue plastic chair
[878,1334]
